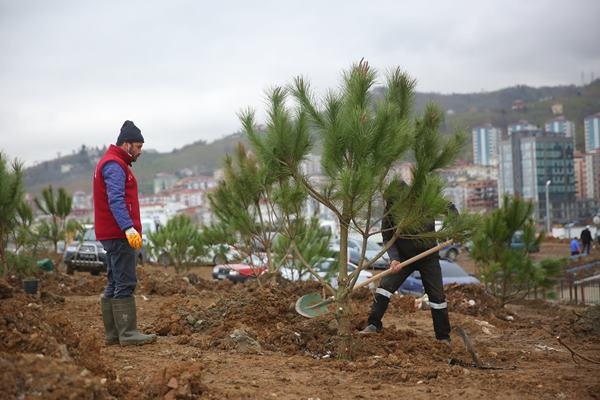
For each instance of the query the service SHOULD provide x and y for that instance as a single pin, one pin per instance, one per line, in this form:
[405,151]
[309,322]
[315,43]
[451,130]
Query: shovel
[313,305]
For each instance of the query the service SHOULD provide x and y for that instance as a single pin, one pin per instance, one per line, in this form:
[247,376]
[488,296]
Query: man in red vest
[118,227]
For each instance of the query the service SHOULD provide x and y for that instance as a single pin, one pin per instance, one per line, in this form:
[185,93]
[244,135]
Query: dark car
[241,271]
[451,273]
[450,252]
[88,255]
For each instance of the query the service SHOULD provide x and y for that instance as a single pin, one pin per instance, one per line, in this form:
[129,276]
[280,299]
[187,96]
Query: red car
[250,267]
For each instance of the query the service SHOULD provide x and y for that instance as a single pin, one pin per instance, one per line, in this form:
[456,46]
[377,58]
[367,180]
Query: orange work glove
[134,238]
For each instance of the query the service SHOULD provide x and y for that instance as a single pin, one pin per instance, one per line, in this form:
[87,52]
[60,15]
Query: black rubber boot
[126,321]
[378,309]
[111,335]
[441,323]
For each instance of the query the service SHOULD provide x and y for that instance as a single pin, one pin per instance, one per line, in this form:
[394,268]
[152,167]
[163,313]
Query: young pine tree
[362,138]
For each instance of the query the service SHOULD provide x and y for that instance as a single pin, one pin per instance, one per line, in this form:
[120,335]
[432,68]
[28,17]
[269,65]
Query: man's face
[134,150]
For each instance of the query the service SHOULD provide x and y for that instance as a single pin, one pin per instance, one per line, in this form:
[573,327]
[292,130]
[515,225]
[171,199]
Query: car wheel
[452,254]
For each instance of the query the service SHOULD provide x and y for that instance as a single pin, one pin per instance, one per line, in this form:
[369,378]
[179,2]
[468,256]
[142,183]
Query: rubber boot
[111,335]
[126,321]
[378,309]
[441,323]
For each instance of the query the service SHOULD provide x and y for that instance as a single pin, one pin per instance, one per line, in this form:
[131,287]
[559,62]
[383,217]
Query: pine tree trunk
[345,349]
[342,312]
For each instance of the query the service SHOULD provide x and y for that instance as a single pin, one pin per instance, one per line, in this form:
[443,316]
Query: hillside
[467,111]
[474,109]
[201,157]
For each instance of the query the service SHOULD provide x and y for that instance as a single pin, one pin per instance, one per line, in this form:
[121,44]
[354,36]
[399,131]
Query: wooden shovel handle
[404,263]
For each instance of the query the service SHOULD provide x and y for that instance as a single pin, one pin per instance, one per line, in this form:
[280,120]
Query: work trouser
[585,248]
[431,276]
[120,268]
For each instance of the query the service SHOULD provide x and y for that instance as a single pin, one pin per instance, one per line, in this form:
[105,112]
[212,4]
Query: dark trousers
[120,270]
[586,247]
[431,276]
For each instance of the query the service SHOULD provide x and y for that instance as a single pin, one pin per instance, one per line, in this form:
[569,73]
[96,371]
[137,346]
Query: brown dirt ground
[219,340]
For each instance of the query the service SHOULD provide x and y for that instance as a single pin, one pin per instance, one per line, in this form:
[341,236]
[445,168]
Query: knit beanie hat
[130,133]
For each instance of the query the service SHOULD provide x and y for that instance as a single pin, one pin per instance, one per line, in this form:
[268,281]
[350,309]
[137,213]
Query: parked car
[250,267]
[327,269]
[221,254]
[451,273]
[450,252]
[517,243]
[355,248]
[88,255]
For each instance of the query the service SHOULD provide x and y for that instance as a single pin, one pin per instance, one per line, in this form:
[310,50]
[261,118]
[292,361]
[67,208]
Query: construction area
[219,340]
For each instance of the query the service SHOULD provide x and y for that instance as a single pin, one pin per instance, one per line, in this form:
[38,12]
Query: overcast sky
[72,71]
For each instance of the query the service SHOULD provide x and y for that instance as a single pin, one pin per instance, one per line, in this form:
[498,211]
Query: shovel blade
[313,305]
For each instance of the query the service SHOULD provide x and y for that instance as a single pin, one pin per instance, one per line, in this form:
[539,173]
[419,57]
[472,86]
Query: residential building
[457,195]
[557,108]
[591,126]
[528,160]
[195,183]
[485,144]
[521,125]
[81,200]
[164,181]
[592,174]
[561,125]
[481,195]
[579,170]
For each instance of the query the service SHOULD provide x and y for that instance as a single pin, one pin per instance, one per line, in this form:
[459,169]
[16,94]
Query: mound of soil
[37,376]
[179,380]
[473,300]
[164,284]
[72,285]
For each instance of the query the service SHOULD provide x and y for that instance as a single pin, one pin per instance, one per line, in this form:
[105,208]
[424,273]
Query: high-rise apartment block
[591,127]
[521,126]
[561,125]
[485,144]
[531,158]
[592,174]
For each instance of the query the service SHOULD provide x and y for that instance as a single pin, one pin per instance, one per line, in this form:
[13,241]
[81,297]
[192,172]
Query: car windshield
[89,235]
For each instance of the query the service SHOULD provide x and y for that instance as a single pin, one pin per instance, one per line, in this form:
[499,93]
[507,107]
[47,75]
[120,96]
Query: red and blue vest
[105,225]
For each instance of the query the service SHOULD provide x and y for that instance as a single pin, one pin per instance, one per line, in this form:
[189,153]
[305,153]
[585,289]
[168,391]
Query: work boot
[441,323]
[126,321]
[378,308]
[370,329]
[111,335]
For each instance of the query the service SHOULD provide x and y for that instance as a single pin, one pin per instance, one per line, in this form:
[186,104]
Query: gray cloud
[72,71]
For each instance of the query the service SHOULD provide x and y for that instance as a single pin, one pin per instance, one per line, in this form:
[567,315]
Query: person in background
[586,240]
[118,227]
[575,247]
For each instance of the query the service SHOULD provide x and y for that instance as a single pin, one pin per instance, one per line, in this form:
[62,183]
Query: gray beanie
[130,133]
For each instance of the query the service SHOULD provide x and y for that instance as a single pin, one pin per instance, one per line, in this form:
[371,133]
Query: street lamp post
[548,182]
